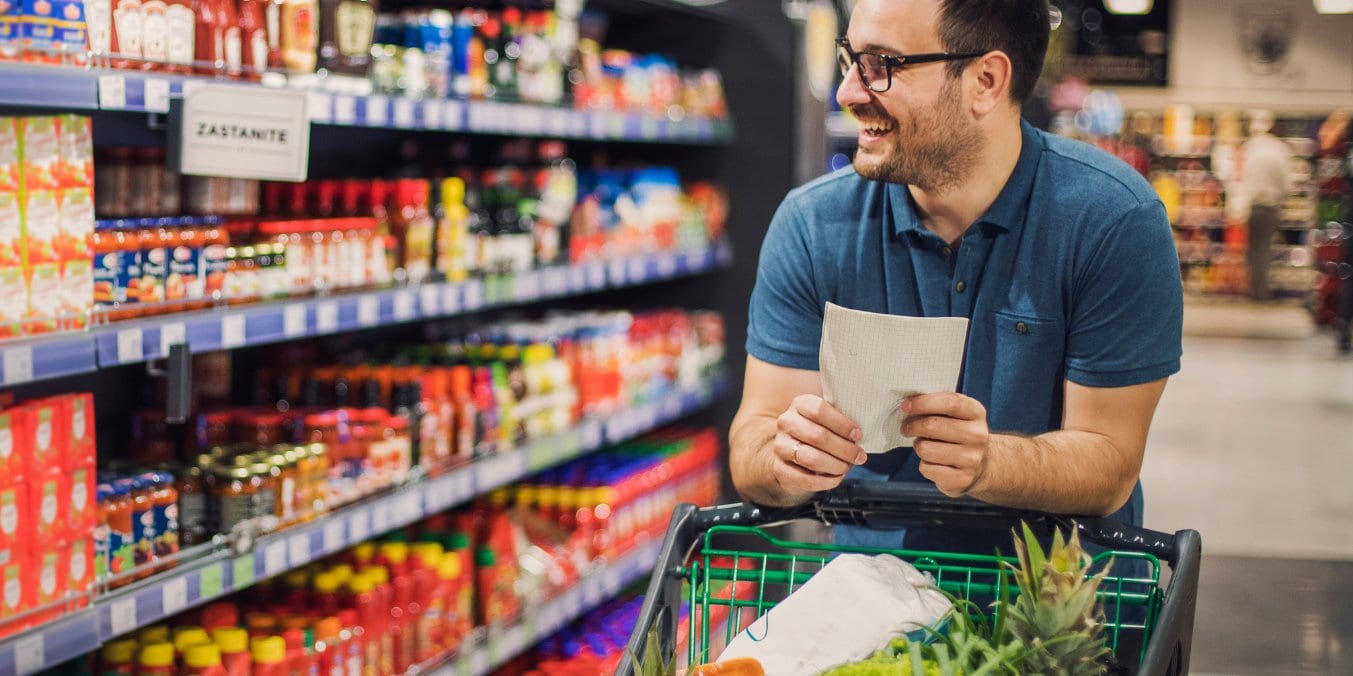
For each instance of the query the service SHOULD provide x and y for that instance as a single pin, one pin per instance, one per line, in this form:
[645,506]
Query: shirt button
[1022,329]
[948,251]
[961,286]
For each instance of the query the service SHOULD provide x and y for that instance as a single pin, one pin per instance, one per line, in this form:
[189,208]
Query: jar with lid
[324,428]
[117,269]
[184,283]
[271,262]
[194,519]
[113,182]
[155,238]
[269,486]
[215,240]
[236,490]
[241,281]
[319,455]
[366,466]
[117,513]
[165,499]
[261,428]
[142,492]
[283,469]
[212,429]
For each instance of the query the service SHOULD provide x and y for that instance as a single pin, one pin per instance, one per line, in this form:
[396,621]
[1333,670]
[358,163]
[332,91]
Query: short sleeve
[1128,313]
[785,314]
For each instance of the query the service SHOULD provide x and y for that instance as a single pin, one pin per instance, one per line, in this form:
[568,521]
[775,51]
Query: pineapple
[1056,615]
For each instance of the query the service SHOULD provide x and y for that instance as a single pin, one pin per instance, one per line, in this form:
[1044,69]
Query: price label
[432,115]
[368,310]
[174,594]
[648,128]
[320,106]
[451,298]
[577,278]
[157,95]
[242,572]
[591,436]
[667,265]
[403,113]
[501,470]
[18,364]
[30,655]
[637,270]
[596,125]
[122,616]
[298,547]
[380,517]
[616,125]
[112,92]
[615,272]
[553,282]
[596,276]
[190,86]
[293,320]
[333,536]
[527,287]
[211,582]
[694,260]
[275,559]
[377,111]
[326,317]
[359,526]
[129,348]
[411,507]
[474,294]
[578,123]
[405,306]
[541,454]
[171,334]
[430,300]
[453,115]
[232,331]
[345,110]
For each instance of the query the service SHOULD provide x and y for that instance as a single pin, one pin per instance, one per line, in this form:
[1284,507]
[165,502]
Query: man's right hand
[815,445]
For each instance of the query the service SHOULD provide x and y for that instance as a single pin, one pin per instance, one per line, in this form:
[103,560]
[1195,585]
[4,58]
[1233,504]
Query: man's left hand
[952,439]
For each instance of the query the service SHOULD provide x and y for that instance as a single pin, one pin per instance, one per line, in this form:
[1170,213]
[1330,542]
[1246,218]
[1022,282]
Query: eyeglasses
[876,70]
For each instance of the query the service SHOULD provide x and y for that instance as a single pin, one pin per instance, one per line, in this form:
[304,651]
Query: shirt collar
[1011,205]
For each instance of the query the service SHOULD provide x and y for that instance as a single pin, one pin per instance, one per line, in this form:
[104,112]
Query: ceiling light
[1128,6]
[1334,6]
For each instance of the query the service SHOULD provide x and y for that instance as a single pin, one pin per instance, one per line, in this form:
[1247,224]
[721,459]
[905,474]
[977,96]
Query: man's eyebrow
[876,48]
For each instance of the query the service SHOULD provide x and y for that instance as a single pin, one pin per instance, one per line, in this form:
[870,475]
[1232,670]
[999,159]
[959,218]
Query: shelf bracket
[178,374]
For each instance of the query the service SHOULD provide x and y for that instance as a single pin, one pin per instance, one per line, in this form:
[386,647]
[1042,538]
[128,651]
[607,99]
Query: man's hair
[1017,27]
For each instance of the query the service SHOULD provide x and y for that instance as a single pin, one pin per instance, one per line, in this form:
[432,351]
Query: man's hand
[952,439]
[815,445]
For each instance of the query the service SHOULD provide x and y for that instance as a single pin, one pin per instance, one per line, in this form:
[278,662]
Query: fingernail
[906,405]
[856,434]
[861,458]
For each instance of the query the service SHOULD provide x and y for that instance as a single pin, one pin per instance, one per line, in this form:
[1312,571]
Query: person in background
[1060,254]
[1265,181]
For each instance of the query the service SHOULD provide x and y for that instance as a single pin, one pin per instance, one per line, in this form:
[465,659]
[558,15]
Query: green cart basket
[710,551]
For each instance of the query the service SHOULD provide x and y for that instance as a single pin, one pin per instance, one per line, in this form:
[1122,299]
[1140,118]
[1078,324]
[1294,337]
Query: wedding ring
[797,444]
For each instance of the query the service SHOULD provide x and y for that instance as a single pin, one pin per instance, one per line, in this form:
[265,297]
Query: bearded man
[1060,255]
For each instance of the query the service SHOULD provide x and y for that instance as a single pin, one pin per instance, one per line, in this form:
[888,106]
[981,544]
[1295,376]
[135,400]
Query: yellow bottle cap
[449,567]
[297,579]
[527,496]
[453,191]
[231,640]
[547,497]
[568,498]
[158,655]
[270,650]
[395,552]
[341,572]
[119,652]
[428,554]
[361,584]
[156,634]
[327,583]
[377,574]
[187,637]
[203,656]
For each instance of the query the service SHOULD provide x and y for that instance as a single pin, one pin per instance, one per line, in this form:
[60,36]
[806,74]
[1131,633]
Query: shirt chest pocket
[1028,359]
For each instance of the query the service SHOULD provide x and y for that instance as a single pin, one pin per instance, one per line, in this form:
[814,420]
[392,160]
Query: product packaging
[81,507]
[16,530]
[50,426]
[49,504]
[51,570]
[15,444]
[15,590]
[80,569]
[79,413]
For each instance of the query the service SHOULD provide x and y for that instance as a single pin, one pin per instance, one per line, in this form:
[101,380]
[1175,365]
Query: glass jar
[235,492]
[269,486]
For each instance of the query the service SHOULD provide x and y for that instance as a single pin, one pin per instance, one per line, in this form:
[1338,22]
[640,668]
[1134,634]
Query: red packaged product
[75,147]
[16,527]
[80,449]
[80,569]
[50,428]
[15,443]
[83,510]
[15,587]
[48,506]
[51,572]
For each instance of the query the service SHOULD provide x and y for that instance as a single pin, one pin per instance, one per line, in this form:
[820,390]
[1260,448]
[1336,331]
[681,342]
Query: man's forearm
[751,460]
[1064,472]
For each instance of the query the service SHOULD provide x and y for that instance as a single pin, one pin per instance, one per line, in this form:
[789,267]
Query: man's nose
[852,91]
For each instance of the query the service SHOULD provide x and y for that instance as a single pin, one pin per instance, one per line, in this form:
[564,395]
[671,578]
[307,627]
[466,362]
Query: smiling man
[1060,255]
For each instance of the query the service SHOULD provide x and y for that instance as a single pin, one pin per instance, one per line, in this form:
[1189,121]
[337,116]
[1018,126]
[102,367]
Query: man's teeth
[877,129]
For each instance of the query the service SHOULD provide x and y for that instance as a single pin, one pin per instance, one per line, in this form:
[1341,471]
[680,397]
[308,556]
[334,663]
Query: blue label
[143,534]
[166,529]
[185,268]
[125,266]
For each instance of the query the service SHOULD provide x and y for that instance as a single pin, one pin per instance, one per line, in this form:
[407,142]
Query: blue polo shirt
[1070,275]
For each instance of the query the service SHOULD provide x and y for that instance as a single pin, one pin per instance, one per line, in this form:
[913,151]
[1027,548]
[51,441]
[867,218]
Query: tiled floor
[1253,446]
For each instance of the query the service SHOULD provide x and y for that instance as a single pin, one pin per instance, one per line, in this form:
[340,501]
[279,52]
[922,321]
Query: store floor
[1253,446]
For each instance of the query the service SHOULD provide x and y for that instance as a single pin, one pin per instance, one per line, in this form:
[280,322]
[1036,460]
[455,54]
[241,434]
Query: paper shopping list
[870,362]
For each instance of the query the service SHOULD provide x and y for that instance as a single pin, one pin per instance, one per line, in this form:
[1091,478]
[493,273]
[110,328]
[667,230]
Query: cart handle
[884,504]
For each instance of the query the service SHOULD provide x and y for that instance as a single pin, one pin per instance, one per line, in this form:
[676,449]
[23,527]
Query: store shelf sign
[242,132]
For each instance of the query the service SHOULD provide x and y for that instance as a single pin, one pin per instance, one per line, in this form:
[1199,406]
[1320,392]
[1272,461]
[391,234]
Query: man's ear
[989,77]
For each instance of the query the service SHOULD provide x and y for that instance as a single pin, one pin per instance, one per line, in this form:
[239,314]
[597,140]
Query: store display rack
[492,647]
[227,569]
[82,89]
[232,327]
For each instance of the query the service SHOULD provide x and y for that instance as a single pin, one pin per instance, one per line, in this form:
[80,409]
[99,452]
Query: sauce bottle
[143,524]
[156,659]
[118,658]
[270,656]
[165,499]
[208,41]
[220,615]
[204,660]
[414,227]
[352,639]
[345,34]
[154,241]
[232,48]
[328,646]
[187,637]
[326,599]
[180,29]
[121,539]
[125,41]
[362,599]
[253,38]
[300,35]
[234,645]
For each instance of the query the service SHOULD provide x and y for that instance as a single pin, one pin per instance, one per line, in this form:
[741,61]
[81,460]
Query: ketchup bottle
[156,659]
[203,659]
[363,600]
[329,648]
[270,656]
[253,39]
[353,640]
[325,599]
[118,658]
[299,660]
[220,615]
[234,645]
[403,623]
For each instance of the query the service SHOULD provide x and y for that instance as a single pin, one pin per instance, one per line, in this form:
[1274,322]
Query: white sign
[242,132]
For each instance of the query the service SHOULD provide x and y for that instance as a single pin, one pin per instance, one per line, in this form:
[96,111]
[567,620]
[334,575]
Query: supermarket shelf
[494,647]
[201,580]
[136,341]
[119,90]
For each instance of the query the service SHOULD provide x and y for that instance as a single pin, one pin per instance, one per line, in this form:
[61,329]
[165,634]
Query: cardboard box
[77,293]
[80,570]
[13,301]
[75,147]
[15,591]
[49,505]
[40,216]
[11,230]
[81,506]
[10,159]
[44,298]
[39,150]
[75,210]
[16,438]
[16,526]
[51,571]
[80,445]
[50,426]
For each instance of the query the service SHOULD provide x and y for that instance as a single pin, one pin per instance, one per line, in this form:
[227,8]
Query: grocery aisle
[1252,445]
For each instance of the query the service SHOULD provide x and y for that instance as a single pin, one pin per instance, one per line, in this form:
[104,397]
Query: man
[1266,181]
[1061,256]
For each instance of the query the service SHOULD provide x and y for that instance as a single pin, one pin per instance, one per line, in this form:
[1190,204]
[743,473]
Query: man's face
[918,132]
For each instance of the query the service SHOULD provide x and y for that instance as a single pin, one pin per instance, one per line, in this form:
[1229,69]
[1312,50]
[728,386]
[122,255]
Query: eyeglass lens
[873,69]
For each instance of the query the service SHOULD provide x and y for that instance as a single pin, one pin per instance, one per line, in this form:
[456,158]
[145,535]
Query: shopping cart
[719,559]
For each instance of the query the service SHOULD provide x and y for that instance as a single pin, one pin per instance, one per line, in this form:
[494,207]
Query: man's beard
[937,151]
